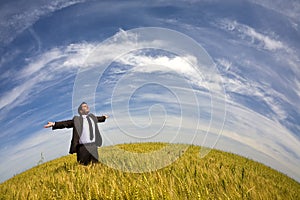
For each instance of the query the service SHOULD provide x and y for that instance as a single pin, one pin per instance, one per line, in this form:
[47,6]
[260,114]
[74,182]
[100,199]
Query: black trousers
[87,153]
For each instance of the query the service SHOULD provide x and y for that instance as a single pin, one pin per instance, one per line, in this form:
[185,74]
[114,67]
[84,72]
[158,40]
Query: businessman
[86,136]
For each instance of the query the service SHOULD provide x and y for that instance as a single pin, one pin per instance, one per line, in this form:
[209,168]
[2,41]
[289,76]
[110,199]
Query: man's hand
[50,124]
[106,116]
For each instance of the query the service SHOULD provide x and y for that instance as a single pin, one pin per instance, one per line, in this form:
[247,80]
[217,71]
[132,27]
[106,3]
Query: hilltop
[219,175]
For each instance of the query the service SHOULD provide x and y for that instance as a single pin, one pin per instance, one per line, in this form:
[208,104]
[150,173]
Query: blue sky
[56,54]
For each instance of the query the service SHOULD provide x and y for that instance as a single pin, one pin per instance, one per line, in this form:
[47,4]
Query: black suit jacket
[77,123]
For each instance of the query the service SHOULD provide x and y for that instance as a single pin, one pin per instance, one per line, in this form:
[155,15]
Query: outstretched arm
[60,125]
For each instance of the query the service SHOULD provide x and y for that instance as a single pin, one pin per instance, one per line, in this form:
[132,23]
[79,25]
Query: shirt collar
[84,116]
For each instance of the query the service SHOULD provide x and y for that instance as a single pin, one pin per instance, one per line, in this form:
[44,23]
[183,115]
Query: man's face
[85,109]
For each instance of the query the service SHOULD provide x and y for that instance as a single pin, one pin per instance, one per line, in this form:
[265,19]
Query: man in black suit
[86,136]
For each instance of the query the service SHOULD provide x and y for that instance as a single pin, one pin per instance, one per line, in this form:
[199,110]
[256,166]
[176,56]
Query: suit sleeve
[101,118]
[63,124]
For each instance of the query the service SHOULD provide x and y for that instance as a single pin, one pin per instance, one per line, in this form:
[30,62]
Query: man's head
[83,109]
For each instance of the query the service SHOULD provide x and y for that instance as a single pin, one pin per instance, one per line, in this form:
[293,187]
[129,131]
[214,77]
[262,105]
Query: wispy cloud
[43,69]
[265,73]
[252,36]
[259,91]
[288,8]
[37,64]
[16,16]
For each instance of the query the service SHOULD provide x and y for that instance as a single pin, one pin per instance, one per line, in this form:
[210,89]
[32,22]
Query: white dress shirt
[85,136]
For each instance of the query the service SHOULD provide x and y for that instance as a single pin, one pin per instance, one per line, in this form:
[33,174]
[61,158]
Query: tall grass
[219,175]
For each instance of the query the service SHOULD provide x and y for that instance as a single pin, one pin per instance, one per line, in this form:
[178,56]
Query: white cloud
[40,62]
[78,54]
[269,44]
[45,67]
[184,66]
[250,35]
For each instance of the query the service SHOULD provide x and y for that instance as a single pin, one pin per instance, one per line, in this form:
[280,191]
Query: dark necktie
[90,127]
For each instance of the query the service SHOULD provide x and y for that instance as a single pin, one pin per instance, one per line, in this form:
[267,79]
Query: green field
[219,175]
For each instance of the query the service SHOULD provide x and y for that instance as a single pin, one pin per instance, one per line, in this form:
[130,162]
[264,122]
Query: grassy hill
[219,175]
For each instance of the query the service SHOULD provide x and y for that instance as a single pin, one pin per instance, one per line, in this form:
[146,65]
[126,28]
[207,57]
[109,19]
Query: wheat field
[219,175]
